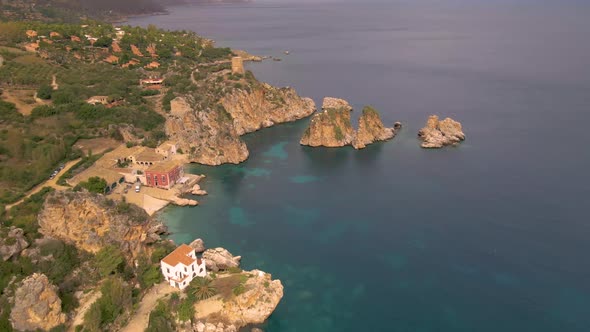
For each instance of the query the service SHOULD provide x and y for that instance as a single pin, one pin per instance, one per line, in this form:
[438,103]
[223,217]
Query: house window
[201,270]
[168,270]
[185,269]
[193,267]
[163,178]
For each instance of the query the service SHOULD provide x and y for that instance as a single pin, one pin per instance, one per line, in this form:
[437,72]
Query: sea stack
[371,129]
[437,134]
[332,127]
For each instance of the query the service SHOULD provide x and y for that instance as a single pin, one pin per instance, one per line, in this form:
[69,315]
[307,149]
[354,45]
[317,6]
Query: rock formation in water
[91,222]
[371,129]
[209,124]
[220,259]
[198,245]
[254,305]
[437,134]
[36,305]
[332,127]
[12,243]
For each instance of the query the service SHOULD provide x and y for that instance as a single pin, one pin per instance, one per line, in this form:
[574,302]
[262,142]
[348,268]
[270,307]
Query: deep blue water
[490,236]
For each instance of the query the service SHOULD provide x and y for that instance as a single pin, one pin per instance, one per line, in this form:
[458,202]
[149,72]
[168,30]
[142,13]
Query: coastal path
[140,319]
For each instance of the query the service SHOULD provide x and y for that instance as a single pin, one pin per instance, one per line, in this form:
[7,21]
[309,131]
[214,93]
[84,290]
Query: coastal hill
[71,93]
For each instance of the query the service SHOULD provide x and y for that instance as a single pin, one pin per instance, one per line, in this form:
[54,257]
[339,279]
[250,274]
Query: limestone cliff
[265,106]
[371,129]
[36,305]
[208,135]
[208,123]
[331,127]
[437,134]
[91,222]
[260,298]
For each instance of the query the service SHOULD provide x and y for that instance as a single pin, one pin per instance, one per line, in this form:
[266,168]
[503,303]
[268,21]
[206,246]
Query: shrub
[44,92]
[186,310]
[108,260]
[95,185]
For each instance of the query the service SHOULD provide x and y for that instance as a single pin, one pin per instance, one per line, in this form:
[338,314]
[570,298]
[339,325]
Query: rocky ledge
[254,305]
[91,222]
[437,134]
[36,305]
[332,127]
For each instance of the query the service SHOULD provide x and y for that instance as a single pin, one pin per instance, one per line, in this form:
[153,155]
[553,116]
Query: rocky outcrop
[209,135]
[211,131]
[265,106]
[220,259]
[196,190]
[198,245]
[371,129]
[331,127]
[437,134]
[36,305]
[12,243]
[91,222]
[260,298]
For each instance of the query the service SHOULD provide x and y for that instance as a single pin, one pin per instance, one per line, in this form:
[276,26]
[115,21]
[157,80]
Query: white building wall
[173,273]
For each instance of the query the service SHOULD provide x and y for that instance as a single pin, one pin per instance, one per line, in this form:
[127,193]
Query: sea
[492,235]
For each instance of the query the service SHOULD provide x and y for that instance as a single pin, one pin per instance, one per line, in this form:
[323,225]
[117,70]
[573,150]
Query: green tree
[45,91]
[104,41]
[94,185]
[108,260]
[202,288]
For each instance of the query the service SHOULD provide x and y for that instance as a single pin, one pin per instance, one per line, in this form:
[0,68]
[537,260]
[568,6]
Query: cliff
[265,106]
[91,222]
[209,125]
[36,305]
[437,134]
[207,134]
[371,129]
[254,305]
[331,127]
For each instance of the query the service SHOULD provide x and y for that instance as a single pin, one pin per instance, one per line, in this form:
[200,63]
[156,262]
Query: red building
[164,174]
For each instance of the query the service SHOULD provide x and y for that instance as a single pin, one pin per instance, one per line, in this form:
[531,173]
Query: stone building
[237,65]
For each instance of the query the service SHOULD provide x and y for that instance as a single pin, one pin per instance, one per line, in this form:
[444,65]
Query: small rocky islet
[333,128]
[439,133]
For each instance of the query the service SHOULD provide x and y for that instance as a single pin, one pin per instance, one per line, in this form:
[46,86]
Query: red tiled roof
[179,255]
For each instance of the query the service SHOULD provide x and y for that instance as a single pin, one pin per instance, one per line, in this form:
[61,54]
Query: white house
[181,266]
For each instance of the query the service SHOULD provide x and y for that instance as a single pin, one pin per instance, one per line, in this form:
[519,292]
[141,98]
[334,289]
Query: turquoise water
[489,236]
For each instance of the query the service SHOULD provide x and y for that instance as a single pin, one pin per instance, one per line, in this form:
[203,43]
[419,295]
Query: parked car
[137,187]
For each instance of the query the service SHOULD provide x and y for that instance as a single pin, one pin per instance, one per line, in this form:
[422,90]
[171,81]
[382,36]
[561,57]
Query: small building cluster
[181,266]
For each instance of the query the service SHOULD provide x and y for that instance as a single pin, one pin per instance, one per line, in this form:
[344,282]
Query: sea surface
[493,235]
